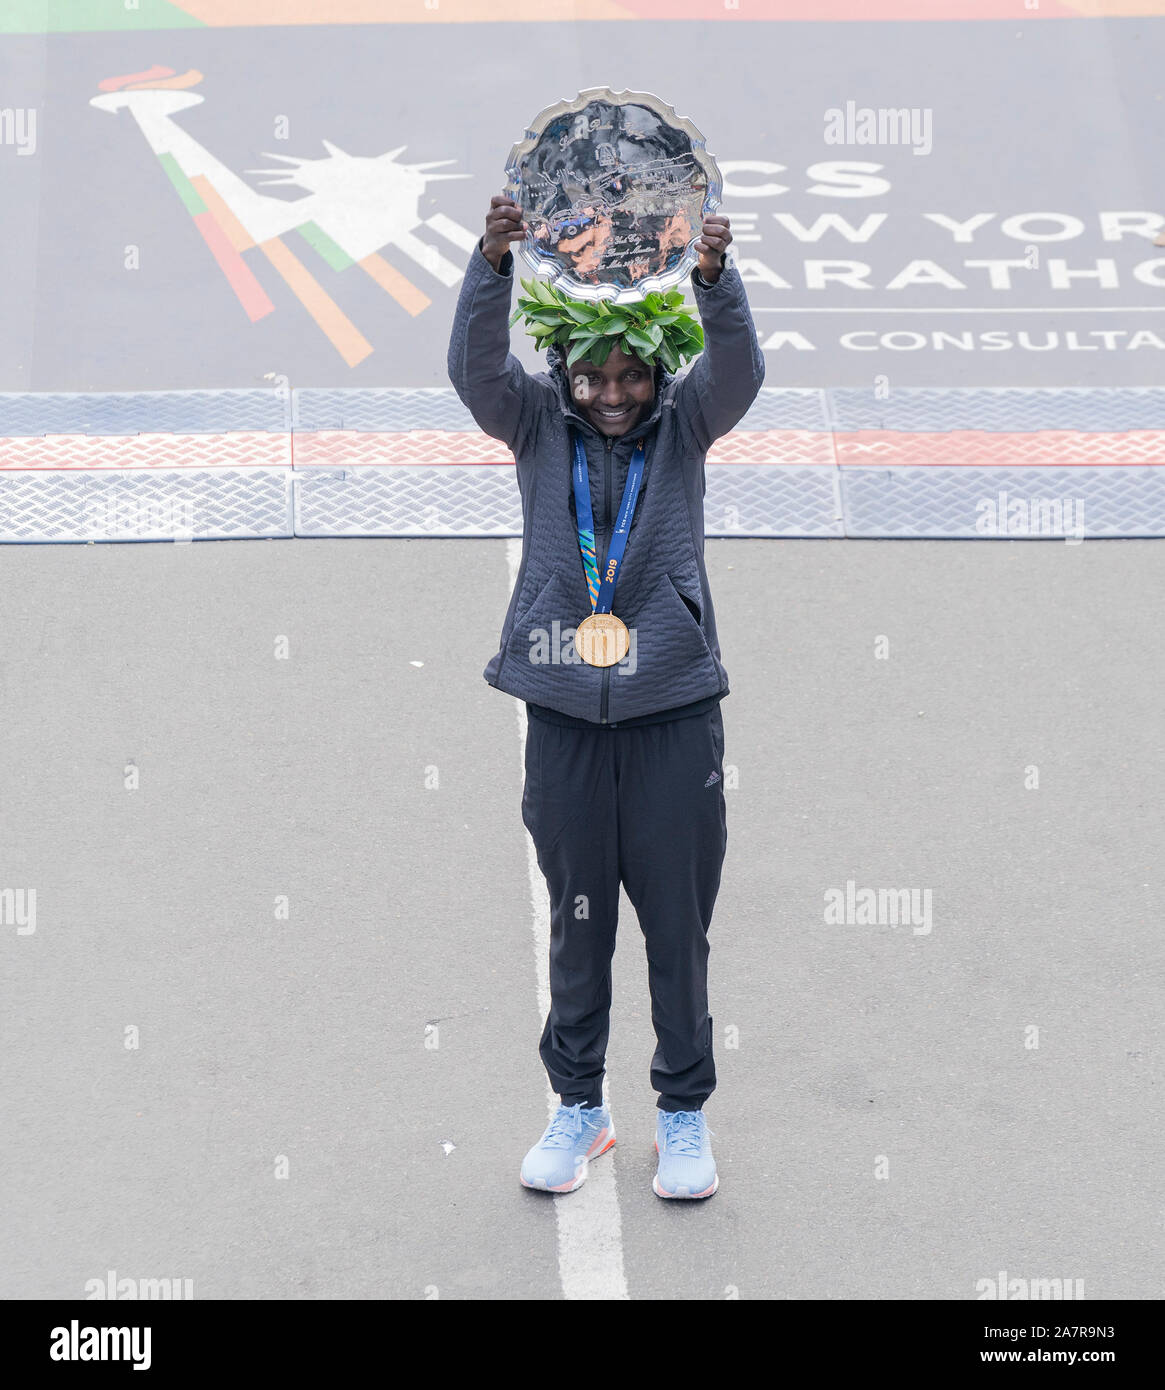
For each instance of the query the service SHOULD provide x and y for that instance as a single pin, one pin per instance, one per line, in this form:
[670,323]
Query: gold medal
[602,639]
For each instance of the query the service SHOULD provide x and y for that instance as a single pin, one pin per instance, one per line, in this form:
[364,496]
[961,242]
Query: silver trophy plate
[615,187]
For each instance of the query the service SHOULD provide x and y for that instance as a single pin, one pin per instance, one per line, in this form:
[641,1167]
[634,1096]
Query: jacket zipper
[607,525]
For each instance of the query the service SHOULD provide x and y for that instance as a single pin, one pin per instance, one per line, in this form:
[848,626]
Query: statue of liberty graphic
[355,207]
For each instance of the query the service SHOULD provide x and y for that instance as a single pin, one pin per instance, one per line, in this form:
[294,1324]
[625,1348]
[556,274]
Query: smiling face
[616,396]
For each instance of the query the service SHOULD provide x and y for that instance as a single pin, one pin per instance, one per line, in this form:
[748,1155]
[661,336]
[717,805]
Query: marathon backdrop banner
[214,195]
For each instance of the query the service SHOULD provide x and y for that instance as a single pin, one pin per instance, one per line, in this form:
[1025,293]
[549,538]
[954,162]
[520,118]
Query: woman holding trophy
[610,636]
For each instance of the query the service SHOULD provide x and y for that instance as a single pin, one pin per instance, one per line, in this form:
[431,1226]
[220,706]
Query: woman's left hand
[712,244]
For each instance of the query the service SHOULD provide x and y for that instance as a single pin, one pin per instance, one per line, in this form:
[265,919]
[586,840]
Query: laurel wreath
[657,325]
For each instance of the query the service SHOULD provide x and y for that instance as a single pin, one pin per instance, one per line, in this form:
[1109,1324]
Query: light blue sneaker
[686,1165]
[576,1134]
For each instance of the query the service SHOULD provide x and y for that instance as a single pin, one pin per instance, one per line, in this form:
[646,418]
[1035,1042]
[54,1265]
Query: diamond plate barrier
[406,501]
[1045,449]
[769,500]
[961,502]
[439,448]
[393,462]
[136,412]
[152,451]
[786,408]
[212,504]
[772,500]
[999,410]
[440,408]
[418,448]
[372,411]
[787,447]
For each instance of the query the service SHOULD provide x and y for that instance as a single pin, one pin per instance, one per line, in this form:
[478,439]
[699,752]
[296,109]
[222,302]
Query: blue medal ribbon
[602,589]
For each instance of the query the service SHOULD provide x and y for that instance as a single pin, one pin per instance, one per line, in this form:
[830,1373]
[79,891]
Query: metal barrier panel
[137,505]
[975,464]
[1003,503]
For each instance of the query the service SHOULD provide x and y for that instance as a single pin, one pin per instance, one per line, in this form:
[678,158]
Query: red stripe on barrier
[976,448]
[456,449]
[147,452]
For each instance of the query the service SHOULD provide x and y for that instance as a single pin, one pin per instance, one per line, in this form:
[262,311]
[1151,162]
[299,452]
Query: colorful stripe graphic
[221,243]
[94,16]
[324,246]
[586,541]
[336,326]
[411,299]
[233,218]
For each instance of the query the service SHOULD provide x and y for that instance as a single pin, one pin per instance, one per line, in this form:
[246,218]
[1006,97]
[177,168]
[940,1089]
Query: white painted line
[460,236]
[590,1233]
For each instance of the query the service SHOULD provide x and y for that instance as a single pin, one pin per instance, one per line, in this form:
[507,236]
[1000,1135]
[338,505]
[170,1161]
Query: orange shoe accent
[594,1151]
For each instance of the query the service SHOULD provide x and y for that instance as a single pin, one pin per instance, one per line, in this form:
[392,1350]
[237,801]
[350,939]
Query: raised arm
[717,390]
[492,384]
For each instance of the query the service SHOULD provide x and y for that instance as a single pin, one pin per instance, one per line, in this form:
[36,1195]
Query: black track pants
[646,806]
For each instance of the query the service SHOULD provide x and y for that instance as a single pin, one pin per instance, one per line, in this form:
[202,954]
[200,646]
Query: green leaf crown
[655,325]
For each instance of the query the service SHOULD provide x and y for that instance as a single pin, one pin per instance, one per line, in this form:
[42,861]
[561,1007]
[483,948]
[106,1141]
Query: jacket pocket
[540,663]
[532,593]
[533,629]
[670,662]
[687,587]
[529,595]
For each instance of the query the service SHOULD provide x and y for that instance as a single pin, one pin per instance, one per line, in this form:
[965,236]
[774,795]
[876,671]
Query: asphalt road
[290,1125]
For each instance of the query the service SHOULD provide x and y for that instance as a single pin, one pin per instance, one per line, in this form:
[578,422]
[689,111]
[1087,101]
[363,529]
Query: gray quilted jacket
[662,588]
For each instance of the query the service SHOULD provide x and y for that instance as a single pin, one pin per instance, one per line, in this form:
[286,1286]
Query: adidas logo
[712,780]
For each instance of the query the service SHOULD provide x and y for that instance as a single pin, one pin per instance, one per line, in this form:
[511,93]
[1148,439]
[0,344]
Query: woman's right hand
[503,224]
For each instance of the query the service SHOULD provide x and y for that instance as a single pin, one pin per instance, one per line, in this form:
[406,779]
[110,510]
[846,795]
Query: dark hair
[556,364]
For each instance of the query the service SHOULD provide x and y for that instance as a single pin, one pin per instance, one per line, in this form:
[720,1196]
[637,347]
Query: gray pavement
[863,1050]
